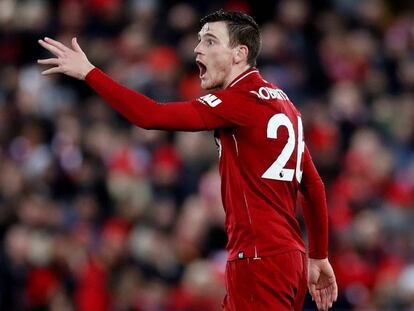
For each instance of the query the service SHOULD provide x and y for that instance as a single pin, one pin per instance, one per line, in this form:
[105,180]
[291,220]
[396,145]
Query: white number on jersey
[277,170]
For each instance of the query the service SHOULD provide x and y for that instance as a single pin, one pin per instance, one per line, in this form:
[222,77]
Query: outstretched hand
[322,283]
[70,61]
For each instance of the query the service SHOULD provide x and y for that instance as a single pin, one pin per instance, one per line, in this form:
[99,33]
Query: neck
[236,71]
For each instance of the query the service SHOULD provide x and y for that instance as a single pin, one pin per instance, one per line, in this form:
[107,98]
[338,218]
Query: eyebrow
[207,35]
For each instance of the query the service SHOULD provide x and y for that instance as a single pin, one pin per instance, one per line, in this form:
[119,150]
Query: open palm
[70,61]
[322,283]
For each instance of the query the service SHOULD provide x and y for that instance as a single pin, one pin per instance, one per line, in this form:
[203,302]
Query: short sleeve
[225,109]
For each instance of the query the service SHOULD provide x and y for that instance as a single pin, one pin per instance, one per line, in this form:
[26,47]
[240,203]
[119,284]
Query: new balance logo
[210,100]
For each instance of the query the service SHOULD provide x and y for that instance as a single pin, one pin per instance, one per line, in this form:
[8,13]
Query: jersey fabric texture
[263,165]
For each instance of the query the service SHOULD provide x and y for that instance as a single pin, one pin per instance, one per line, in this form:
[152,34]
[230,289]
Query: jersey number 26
[277,170]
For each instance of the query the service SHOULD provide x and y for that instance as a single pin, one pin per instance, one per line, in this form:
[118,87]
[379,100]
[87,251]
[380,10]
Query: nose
[197,49]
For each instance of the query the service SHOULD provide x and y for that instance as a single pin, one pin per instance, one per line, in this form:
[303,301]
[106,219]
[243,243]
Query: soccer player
[264,163]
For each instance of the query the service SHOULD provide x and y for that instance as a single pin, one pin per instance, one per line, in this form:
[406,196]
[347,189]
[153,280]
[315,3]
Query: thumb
[75,45]
[313,275]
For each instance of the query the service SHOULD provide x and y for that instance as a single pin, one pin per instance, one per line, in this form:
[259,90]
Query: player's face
[214,56]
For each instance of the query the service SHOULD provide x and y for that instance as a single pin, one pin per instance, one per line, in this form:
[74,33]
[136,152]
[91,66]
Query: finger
[323,299]
[331,291]
[328,299]
[318,297]
[330,296]
[335,291]
[312,291]
[315,294]
[54,50]
[318,301]
[75,45]
[57,44]
[49,61]
[52,71]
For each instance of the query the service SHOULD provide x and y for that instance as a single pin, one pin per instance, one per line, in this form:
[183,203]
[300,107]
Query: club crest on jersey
[210,99]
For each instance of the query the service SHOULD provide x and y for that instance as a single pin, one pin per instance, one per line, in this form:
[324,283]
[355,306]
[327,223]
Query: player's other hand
[322,283]
[70,61]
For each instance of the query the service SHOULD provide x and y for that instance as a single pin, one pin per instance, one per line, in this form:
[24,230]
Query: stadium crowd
[98,215]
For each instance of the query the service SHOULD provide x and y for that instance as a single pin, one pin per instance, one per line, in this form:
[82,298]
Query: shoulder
[228,97]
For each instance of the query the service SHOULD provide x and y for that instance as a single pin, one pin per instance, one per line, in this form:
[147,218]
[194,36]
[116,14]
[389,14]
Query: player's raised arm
[70,61]
[137,108]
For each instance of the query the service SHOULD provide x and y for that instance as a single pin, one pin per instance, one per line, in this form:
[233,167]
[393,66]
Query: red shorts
[276,282]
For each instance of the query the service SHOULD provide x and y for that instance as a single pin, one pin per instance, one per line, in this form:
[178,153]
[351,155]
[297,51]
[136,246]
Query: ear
[241,53]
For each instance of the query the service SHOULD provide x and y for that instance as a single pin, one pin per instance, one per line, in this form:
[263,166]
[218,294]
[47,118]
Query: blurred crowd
[99,215]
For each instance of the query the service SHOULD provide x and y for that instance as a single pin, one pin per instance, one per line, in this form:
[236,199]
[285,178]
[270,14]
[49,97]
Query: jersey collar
[244,77]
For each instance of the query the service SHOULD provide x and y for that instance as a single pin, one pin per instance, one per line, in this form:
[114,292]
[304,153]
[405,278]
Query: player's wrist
[84,72]
[318,260]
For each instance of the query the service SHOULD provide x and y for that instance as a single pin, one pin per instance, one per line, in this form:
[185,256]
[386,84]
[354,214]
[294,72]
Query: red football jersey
[263,159]
[261,149]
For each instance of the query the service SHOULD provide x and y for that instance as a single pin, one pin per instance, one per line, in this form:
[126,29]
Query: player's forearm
[316,219]
[141,110]
[123,99]
[315,209]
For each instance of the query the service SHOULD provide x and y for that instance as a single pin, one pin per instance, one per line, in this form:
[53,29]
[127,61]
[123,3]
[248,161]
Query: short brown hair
[242,28]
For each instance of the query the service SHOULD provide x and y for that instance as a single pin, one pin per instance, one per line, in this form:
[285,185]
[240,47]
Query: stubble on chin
[206,85]
[203,85]
[210,86]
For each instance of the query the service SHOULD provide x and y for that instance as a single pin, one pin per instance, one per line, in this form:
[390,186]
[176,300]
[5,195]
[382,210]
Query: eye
[210,42]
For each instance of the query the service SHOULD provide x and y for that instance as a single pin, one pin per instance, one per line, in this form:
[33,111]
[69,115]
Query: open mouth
[202,68]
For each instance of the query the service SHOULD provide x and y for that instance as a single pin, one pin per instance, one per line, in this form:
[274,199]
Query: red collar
[241,78]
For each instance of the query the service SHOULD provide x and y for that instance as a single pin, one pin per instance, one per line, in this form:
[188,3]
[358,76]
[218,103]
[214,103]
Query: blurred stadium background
[98,215]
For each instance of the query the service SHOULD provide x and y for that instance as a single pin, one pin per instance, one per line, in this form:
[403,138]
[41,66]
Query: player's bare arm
[70,61]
